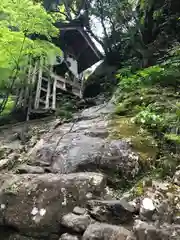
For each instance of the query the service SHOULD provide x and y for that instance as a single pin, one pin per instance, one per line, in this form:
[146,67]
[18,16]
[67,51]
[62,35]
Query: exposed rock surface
[4,163]
[84,146]
[73,201]
[67,236]
[24,168]
[116,211]
[77,223]
[79,210]
[159,211]
[177,178]
[19,237]
[35,204]
[13,236]
[103,231]
[144,231]
[147,208]
[99,80]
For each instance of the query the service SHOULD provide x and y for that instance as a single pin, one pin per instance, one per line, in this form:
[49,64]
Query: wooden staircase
[48,86]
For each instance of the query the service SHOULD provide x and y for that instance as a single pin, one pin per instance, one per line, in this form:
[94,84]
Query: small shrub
[9,106]
[124,72]
[121,109]
[165,74]
[173,137]
[64,114]
[166,165]
[148,118]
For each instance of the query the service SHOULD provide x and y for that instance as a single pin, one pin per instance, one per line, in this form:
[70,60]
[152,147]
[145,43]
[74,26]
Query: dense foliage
[19,20]
[139,31]
[150,97]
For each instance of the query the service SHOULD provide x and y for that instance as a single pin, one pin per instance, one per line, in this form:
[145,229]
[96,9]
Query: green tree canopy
[19,20]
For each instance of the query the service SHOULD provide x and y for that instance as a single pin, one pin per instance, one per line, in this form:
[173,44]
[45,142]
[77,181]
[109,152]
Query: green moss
[64,114]
[142,141]
[139,99]
[173,137]
[121,109]
[138,189]
[142,185]
[2,152]
[166,164]
[150,96]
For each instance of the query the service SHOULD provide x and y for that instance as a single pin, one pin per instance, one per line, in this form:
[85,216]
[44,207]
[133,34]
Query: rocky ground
[62,181]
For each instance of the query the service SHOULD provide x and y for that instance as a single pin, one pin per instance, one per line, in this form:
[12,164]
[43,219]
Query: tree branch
[95,37]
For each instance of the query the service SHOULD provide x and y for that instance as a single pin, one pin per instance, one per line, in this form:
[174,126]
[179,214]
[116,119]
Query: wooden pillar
[34,73]
[28,91]
[48,94]
[54,94]
[31,84]
[47,103]
[21,96]
[27,86]
[81,84]
[39,84]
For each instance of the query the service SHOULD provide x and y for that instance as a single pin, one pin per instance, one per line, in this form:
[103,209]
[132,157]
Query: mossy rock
[142,141]
[64,114]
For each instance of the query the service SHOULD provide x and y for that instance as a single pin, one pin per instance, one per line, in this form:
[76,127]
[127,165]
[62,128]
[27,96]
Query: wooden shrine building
[66,71]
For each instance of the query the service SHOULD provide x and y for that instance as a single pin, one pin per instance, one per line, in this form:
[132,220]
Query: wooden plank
[42,101]
[34,72]
[57,77]
[21,95]
[48,94]
[44,89]
[39,84]
[61,86]
[73,84]
[45,79]
[63,80]
[31,86]
[39,110]
[76,93]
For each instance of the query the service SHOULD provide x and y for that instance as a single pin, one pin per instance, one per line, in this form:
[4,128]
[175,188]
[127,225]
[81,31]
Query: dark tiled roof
[75,40]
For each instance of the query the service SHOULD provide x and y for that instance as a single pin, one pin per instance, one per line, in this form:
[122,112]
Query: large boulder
[159,210]
[79,211]
[7,233]
[96,111]
[176,178]
[101,80]
[18,237]
[35,204]
[77,223]
[67,236]
[84,146]
[102,231]
[111,211]
[24,168]
[144,231]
